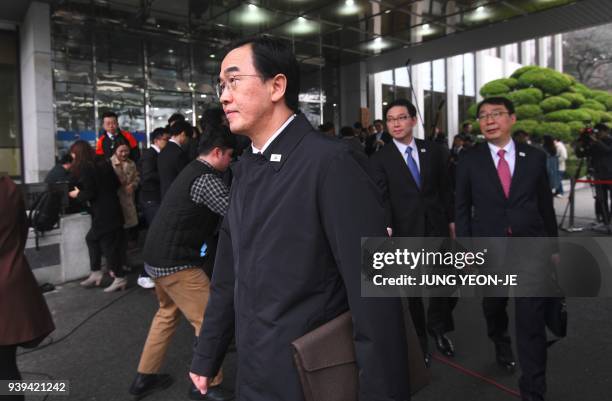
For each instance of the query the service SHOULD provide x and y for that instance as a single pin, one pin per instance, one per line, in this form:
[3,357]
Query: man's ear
[279,87]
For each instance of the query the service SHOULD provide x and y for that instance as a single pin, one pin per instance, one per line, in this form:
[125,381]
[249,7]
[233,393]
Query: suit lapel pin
[275,157]
[522,154]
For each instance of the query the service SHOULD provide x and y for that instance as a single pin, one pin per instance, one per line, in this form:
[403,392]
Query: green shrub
[593,105]
[576,127]
[555,103]
[583,90]
[475,128]
[529,112]
[516,74]
[557,130]
[472,111]
[494,88]
[576,98]
[529,126]
[550,81]
[526,96]
[568,115]
[605,99]
[606,117]
[595,116]
[571,78]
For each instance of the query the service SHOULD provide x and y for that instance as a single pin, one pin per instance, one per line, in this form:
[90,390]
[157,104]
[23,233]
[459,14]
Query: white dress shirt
[415,151]
[509,156]
[273,137]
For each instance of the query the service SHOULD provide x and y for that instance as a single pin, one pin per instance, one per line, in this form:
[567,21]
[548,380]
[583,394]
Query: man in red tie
[502,190]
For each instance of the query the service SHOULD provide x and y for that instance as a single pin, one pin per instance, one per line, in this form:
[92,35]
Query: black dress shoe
[213,394]
[144,384]
[443,344]
[505,357]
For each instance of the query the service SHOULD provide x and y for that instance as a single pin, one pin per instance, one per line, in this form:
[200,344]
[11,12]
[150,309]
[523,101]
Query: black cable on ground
[88,318]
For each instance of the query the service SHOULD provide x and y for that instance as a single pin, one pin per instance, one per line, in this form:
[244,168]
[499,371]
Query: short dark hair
[176,117]
[211,117]
[346,131]
[216,137]
[156,134]
[601,128]
[271,57]
[108,114]
[181,126]
[378,121]
[496,100]
[403,103]
[465,124]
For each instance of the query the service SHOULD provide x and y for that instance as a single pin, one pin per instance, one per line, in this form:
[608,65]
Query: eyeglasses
[230,84]
[494,115]
[399,119]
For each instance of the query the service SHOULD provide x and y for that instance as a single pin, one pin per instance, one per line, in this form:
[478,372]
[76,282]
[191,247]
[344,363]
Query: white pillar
[452,98]
[542,52]
[558,52]
[37,93]
[417,80]
[480,76]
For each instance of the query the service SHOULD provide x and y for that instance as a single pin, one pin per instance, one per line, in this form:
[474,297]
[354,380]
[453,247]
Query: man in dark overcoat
[289,258]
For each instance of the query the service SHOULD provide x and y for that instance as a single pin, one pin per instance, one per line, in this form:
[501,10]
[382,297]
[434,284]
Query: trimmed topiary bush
[555,103]
[549,81]
[576,98]
[595,115]
[559,131]
[516,74]
[526,96]
[593,105]
[576,127]
[606,117]
[472,111]
[583,90]
[529,112]
[605,99]
[494,88]
[529,126]
[568,115]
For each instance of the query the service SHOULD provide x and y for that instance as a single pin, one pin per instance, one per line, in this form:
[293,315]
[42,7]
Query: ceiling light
[426,27]
[200,116]
[480,13]
[212,56]
[252,15]
[377,44]
[302,26]
[252,7]
[385,103]
[480,9]
[202,96]
[335,105]
[349,8]
[189,111]
[170,51]
[387,12]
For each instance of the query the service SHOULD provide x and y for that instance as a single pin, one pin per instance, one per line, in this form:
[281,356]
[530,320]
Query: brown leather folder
[325,360]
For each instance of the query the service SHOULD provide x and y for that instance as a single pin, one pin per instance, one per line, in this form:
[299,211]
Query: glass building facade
[10,115]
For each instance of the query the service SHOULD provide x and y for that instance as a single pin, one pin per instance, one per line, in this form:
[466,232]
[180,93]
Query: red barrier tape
[476,375]
[597,182]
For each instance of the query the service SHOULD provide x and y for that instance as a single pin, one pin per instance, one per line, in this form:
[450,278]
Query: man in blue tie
[413,175]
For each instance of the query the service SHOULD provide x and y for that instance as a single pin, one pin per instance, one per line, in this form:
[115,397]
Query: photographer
[596,145]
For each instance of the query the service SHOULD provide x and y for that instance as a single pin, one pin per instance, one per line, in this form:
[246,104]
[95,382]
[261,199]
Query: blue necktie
[412,166]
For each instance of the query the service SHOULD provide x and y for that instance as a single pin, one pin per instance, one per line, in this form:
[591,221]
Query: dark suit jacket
[149,177]
[288,261]
[370,143]
[482,210]
[410,211]
[170,162]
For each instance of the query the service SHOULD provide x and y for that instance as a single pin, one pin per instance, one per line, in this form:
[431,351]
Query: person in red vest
[111,136]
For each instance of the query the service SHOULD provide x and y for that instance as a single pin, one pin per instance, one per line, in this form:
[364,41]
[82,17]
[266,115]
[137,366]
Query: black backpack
[45,212]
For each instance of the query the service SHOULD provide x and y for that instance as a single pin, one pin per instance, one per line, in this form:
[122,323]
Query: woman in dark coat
[24,317]
[98,185]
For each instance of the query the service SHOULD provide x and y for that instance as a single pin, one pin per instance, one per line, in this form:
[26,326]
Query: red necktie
[503,171]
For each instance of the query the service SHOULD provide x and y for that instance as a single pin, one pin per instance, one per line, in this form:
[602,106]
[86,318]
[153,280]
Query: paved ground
[99,338]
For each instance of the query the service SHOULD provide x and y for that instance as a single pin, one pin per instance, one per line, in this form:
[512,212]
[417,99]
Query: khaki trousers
[184,292]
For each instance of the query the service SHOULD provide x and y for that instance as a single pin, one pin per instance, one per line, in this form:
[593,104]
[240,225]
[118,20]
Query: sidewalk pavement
[99,337]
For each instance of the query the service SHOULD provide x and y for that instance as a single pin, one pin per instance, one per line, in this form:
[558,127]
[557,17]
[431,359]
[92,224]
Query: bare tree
[587,55]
